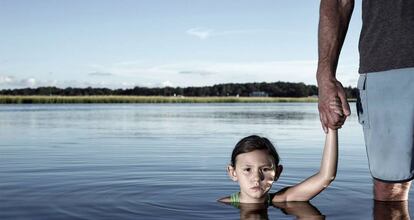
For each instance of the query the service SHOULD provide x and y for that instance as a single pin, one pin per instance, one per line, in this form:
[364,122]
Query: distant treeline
[276,89]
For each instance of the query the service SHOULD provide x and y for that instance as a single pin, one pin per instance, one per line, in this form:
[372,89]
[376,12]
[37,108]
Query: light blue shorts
[385,109]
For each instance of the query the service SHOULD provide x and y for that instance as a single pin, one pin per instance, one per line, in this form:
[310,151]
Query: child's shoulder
[225,199]
[233,198]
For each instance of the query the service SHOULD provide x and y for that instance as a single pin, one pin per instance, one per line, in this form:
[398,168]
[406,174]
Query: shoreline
[148,99]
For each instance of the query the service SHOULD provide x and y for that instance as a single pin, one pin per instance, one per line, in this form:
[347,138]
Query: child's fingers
[336,106]
[339,112]
[336,103]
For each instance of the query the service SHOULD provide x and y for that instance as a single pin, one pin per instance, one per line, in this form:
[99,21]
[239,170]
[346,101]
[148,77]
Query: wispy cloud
[205,33]
[6,79]
[190,73]
[202,33]
[95,84]
[196,72]
[167,83]
[200,73]
[11,81]
[100,74]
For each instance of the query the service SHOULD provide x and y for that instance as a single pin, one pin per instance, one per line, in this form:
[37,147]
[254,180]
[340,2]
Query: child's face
[255,173]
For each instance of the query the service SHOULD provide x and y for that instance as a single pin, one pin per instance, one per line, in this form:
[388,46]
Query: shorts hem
[394,181]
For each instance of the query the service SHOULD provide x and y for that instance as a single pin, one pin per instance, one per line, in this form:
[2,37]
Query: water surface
[165,161]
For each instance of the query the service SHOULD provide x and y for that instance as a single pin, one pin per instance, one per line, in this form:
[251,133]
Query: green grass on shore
[144,99]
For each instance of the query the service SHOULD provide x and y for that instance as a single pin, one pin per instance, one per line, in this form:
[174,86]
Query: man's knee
[384,191]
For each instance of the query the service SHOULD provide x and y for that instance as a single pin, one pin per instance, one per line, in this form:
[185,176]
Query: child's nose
[258,175]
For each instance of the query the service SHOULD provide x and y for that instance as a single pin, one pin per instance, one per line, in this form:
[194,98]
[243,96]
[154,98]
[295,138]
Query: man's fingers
[344,101]
[346,108]
[335,126]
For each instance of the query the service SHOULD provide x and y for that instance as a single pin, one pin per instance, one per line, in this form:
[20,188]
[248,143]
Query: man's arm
[334,17]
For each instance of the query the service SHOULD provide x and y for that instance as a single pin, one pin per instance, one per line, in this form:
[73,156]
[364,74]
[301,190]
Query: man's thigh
[384,191]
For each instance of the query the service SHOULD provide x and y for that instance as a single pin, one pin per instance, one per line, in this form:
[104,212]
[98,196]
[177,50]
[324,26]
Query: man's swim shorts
[385,109]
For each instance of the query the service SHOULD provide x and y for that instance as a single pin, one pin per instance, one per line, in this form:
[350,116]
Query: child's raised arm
[315,184]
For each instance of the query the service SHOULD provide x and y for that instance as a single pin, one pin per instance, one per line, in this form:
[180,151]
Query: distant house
[258,94]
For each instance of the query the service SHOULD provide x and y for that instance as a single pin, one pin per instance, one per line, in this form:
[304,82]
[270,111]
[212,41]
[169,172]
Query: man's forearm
[334,19]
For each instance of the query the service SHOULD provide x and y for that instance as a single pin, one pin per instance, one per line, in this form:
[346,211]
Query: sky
[157,43]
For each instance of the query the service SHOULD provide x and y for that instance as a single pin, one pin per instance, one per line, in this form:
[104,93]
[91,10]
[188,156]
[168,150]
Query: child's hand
[336,106]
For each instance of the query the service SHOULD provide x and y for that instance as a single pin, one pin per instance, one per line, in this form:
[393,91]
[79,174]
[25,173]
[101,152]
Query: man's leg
[391,191]
[391,210]
[386,111]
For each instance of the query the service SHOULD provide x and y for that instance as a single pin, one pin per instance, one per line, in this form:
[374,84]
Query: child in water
[255,166]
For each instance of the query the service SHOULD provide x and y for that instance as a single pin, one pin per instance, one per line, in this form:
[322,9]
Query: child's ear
[278,170]
[231,171]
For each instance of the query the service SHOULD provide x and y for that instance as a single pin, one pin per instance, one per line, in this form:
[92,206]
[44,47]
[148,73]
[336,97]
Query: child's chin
[257,195]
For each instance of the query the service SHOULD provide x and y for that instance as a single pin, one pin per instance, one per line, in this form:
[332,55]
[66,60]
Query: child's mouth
[256,188]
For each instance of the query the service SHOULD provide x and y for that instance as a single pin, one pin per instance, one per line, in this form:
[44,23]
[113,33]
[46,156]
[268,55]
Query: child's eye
[267,169]
[246,169]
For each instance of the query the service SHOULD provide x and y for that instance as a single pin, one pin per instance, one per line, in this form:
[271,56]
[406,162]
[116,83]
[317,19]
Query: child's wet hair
[251,143]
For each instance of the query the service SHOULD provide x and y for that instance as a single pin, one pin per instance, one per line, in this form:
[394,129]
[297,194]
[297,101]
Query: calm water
[166,161]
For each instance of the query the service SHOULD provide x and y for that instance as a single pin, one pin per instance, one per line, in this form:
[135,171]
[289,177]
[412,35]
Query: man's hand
[330,90]
[334,17]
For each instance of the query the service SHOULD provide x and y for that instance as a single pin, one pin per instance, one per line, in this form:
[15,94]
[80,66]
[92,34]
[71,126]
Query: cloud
[196,72]
[30,82]
[6,79]
[205,33]
[100,74]
[202,73]
[190,73]
[11,81]
[167,83]
[202,33]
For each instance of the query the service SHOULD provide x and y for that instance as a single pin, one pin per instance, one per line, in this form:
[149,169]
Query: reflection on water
[305,210]
[299,210]
[163,161]
[260,114]
[391,210]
